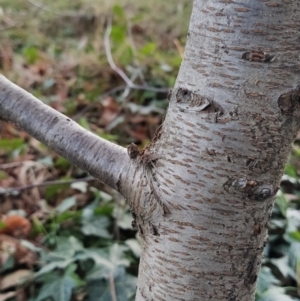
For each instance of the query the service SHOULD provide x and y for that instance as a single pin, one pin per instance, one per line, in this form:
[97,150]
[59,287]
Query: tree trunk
[202,191]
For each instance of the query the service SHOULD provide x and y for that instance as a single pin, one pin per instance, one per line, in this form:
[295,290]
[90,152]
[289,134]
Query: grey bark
[102,159]
[202,191]
[233,115]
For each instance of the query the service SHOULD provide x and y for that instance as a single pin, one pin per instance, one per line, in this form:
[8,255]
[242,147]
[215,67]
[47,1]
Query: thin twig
[47,9]
[17,190]
[134,50]
[179,47]
[12,164]
[112,287]
[121,73]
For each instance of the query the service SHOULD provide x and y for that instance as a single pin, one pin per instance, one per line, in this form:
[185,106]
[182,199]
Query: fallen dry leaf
[110,110]
[6,296]
[14,279]
[16,226]
[10,246]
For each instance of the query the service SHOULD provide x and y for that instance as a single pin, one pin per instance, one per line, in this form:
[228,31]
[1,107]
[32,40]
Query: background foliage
[64,236]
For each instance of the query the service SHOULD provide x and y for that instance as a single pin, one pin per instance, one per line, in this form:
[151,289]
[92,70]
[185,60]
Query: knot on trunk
[253,189]
[289,102]
[133,151]
[258,56]
[192,102]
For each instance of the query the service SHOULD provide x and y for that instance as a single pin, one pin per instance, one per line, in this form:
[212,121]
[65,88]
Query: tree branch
[102,159]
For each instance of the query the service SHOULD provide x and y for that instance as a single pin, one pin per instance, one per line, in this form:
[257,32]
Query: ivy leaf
[107,261]
[295,235]
[266,279]
[282,203]
[96,226]
[62,257]
[134,246]
[293,218]
[275,294]
[123,217]
[123,284]
[59,288]
[283,266]
[67,246]
[52,266]
[81,186]
[294,259]
[66,204]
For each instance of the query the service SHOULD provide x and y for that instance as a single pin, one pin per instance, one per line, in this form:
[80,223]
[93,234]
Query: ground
[63,235]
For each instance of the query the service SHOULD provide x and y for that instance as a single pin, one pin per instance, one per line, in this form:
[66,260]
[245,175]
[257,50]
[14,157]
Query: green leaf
[293,218]
[62,257]
[46,161]
[148,49]
[67,246]
[96,226]
[295,235]
[124,218]
[38,225]
[52,266]
[282,203]
[127,55]
[117,256]
[119,12]
[118,34]
[53,190]
[81,186]
[62,162]
[66,204]
[105,196]
[59,288]
[283,266]
[3,175]
[84,123]
[107,261]
[104,209]
[124,284]
[265,280]
[290,171]
[275,294]
[2,225]
[294,257]
[107,136]
[134,246]
[100,195]
[11,144]
[31,54]
[8,264]
[75,215]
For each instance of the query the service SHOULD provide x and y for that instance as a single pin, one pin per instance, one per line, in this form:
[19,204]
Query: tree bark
[202,191]
[232,117]
[102,159]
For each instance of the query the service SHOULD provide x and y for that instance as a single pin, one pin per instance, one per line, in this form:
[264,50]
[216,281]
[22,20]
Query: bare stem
[121,73]
[18,190]
[112,287]
[49,10]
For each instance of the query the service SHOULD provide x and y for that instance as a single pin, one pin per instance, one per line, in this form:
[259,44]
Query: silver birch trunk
[202,191]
